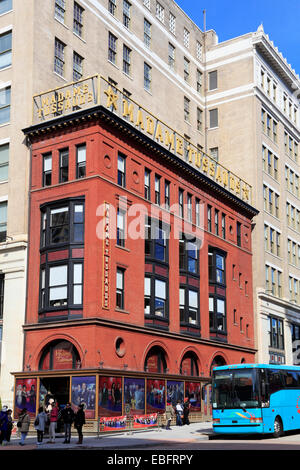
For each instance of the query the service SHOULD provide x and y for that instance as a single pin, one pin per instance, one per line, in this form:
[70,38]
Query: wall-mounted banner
[97,91]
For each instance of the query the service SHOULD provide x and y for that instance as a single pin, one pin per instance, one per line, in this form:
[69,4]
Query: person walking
[53,415]
[179,413]
[79,422]
[23,424]
[186,411]
[40,424]
[169,415]
[3,425]
[68,416]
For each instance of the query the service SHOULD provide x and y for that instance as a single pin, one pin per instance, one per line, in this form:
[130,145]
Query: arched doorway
[156,360]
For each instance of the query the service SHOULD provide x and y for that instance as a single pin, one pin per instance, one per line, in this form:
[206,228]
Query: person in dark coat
[3,424]
[79,422]
[186,411]
[68,416]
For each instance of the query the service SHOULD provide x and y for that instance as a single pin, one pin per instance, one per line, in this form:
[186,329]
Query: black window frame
[120,293]
[187,308]
[63,167]
[152,297]
[47,174]
[151,226]
[81,166]
[216,289]
[121,175]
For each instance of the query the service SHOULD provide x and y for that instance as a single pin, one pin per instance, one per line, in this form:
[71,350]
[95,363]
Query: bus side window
[275,383]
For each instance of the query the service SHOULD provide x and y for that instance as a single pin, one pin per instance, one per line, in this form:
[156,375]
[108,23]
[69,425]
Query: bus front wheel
[278,428]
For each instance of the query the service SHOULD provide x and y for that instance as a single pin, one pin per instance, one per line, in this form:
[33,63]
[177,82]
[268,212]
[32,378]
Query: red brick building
[139,269]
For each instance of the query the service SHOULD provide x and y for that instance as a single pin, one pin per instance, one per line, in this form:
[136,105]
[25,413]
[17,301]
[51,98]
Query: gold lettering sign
[97,91]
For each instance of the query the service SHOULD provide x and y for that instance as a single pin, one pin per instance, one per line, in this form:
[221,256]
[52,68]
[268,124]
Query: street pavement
[121,441]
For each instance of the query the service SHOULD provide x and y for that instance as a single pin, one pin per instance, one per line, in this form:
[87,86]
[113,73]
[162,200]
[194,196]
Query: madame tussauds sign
[96,91]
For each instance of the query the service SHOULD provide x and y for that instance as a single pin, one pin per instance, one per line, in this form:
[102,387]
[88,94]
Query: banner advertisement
[156,395]
[144,421]
[25,396]
[193,393]
[134,395]
[84,391]
[110,396]
[116,423]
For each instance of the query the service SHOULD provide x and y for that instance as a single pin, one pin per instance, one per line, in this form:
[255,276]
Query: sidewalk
[121,440]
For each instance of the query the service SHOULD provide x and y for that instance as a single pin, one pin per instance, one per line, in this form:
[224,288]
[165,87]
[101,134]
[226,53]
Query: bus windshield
[235,389]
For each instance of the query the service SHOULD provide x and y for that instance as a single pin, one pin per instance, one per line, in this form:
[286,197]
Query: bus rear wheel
[278,428]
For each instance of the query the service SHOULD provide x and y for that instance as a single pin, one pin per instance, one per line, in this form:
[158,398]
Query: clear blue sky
[231,18]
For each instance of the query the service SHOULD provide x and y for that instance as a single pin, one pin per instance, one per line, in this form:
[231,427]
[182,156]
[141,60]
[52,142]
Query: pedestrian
[79,422]
[9,425]
[3,425]
[68,416]
[40,424]
[186,411]
[179,413]
[169,415]
[23,425]
[53,417]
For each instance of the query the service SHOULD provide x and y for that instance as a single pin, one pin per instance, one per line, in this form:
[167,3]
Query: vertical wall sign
[106,256]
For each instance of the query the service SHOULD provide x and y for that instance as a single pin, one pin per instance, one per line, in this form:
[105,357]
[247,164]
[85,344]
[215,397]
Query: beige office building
[214,94]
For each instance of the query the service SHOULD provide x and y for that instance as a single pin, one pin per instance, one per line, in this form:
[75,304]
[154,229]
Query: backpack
[36,421]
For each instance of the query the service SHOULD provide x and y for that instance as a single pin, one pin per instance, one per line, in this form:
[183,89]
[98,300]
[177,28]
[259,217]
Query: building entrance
[55,389]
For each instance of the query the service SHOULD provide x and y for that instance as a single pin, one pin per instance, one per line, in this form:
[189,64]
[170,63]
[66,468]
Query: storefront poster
[156,395]
[116,423]
[174,392]
[134,395]
[145,421]
[84,391]
[25,396]
[110,396]
[193,393]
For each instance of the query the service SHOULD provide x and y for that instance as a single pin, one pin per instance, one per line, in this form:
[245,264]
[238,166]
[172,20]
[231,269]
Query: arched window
[189,364]
[155,360]
[218,361]
[59,355]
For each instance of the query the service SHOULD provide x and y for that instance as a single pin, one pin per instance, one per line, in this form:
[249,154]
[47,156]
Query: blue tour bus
[256,398]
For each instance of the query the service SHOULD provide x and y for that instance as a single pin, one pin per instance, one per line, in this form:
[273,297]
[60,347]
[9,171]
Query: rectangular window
[3,221]
[120,288]
[77,283]
[60,10]
[63,165]
[112,48]
[126,13]
[167,195]
[213,80]
[199,81]
[199,50]
[238,233]
[47,169]
[78,19]
[121,227]
[223,226]
[160,298]
[58,286]
[213,118]
[209,225]
[188,306]
[276,333]
[77,66]
[126,59]
[5,105]
[5,50]
[186,38]
[172,23]
[147,296]
[147,184]
[188,255]
[186,109]
[180,202]
[157,189]
[171,56]
[186,69]
[59,57]
[122,170]
[112,5]
[199,119]
[147,77]
[189,208]
[216,222]
[147,33]
[160,12]
[4,159]
[59,225]
[5,6]
[81,161]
